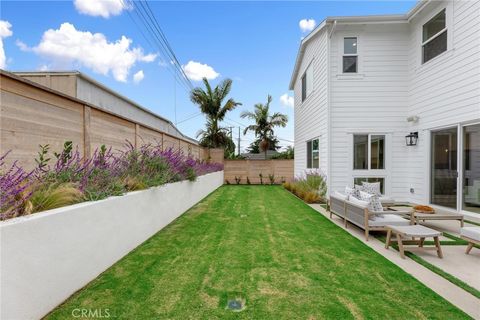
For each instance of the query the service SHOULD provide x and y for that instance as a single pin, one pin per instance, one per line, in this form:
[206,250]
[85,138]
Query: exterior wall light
[411,139]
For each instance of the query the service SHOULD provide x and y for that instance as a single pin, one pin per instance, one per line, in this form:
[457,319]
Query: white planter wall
[48,256]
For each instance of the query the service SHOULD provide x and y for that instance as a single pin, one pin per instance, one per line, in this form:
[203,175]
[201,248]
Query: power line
[162,34]
[148,20]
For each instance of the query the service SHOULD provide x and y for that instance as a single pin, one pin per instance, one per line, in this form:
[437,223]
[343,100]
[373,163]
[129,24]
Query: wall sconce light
[411,139]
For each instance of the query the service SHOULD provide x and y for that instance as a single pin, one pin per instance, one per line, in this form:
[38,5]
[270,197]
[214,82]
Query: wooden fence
[31,115]
[282,170]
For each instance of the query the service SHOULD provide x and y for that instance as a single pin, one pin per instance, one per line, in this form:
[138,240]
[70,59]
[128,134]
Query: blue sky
[253,43]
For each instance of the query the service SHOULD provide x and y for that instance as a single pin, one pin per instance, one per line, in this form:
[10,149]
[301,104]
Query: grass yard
[264,247]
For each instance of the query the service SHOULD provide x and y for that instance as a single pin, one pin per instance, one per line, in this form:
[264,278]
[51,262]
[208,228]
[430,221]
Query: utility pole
[238,140]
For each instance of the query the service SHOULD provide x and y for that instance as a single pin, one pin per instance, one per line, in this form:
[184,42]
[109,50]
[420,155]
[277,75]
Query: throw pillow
[350,192]
[373,200]
[372,188]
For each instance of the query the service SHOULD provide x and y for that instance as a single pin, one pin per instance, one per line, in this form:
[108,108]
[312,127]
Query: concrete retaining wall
[48,256]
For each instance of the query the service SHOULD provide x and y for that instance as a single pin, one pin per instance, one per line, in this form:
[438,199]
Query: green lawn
[263,246]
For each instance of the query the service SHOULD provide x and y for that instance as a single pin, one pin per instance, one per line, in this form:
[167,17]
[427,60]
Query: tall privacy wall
[282,170]
[32,115]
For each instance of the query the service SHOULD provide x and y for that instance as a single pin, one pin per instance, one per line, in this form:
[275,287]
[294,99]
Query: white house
[362,84]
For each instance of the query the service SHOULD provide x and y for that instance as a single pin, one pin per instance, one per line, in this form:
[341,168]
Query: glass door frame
[460,164]
[461,168]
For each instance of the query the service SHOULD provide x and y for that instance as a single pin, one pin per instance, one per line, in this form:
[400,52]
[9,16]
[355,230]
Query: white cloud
[307,25]
[137,77]
[5,31]
[22,46]
[100,8]
[286,100]
[67,46]
[196,71]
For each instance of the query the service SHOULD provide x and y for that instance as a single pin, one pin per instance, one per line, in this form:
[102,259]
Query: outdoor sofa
[351,210]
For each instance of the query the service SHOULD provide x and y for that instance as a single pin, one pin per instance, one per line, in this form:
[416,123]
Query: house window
[368,152]
[307,82]
[350,55]
[434,38]
[359,181]
[313,157]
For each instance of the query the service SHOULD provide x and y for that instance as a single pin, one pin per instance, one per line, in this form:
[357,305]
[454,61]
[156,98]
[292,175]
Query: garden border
[47,256]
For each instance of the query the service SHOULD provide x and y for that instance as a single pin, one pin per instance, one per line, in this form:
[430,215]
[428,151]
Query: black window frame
[437,41]
[350,56]
[310,154]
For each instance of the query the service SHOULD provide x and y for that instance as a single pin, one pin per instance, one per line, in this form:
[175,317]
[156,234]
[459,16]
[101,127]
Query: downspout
[329,119]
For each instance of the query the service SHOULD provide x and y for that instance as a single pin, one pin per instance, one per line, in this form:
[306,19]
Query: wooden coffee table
[413,231]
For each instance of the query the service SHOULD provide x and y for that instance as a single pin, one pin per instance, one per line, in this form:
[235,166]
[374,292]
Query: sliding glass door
[471,168]
[444,172]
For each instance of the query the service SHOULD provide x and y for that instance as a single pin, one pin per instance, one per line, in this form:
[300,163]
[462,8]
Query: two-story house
[395,99]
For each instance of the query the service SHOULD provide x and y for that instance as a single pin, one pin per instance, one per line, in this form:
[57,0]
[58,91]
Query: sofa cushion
[471,232]
[388,219]
[372,187]
[340,195]
[358,202]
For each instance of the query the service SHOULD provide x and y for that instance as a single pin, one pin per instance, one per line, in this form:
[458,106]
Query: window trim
[311,153]
[350,54]
[439,33]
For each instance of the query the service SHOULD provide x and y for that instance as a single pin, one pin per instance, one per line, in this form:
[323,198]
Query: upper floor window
[434,37]
[307,82]
[350,55]
[313,157]
[368,152]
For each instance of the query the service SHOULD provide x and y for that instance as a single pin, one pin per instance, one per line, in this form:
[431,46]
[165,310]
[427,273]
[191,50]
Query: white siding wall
[311,115]
[372,101]
[391,85]
[446,90]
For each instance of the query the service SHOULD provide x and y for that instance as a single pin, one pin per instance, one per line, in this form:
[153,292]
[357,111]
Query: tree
[254,147]
[264,123]
[211,105]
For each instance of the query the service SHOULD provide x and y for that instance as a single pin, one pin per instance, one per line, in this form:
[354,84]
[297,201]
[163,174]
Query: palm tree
[210,103]
[264,123]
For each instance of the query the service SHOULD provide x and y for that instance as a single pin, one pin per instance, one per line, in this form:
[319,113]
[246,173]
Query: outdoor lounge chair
[471,235]
[359,215]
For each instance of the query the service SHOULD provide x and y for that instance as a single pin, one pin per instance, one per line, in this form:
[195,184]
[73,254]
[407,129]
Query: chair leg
[345,223]
[469,247]
[389,235]
[366,234]
[400,246]
[420,243]
[439,249]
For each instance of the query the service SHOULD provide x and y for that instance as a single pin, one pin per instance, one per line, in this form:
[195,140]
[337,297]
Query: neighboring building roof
[105,88]
[393,18]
